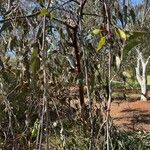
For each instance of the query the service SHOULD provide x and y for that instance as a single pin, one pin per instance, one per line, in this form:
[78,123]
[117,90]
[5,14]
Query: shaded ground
[133,115]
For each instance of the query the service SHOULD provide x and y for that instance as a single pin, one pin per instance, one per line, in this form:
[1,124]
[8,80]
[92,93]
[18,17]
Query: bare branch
[64,23]
[147,60]
[90,14]
[20,17]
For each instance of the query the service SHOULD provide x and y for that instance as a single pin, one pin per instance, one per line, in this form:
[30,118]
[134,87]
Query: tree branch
[64,23]
[147,60]
[90,14]
[20,17]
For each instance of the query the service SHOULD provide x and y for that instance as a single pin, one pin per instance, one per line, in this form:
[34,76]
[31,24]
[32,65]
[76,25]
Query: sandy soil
[131,115]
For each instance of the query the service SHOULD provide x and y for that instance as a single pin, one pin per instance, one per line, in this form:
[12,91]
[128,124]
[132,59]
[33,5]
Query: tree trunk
[143,92]
[141,74]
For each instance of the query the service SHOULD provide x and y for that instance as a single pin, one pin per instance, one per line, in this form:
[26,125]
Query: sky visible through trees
[136,2]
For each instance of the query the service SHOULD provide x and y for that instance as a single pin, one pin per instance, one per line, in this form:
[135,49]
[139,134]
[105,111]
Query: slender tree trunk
[78,59]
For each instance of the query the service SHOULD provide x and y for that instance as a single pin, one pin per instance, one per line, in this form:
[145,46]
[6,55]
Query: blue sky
[136,1]
[133,2]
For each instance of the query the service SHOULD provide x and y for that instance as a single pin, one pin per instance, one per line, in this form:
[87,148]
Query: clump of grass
[125,140]
[78,137]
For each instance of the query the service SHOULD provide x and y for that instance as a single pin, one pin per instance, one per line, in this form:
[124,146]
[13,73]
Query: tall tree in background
[142,49]
[135,22]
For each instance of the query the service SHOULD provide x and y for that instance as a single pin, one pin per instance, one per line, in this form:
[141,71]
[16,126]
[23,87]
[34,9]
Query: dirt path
[131,115]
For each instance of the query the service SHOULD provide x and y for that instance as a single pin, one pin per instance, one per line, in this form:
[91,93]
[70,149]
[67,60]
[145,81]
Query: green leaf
[137,34]
[122,34]
[34,54]
[43,12]
[34,133]
[52,15]
[131,44]
[101,43]
[35,129]
[35,65]
[96,31]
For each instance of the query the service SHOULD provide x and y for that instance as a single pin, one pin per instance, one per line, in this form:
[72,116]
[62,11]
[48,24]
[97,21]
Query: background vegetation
[60,64]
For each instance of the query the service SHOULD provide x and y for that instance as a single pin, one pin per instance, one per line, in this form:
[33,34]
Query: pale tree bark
[141,74]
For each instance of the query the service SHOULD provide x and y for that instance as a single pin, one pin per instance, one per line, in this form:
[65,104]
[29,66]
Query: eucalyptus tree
[142,60]
[34,31]
[137,29]
[23,32]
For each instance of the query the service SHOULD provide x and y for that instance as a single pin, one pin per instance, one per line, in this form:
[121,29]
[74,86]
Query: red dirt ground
[131,115]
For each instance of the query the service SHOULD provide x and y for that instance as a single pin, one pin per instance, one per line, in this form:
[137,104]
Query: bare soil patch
[133,115]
